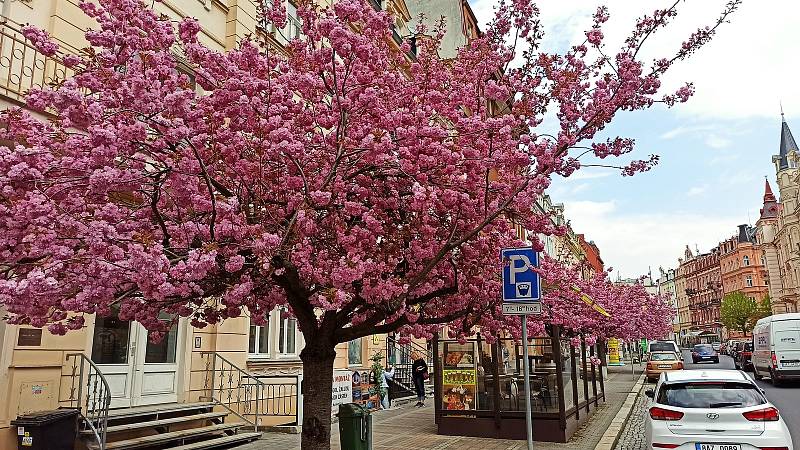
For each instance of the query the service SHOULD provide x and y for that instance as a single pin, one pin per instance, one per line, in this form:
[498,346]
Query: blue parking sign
[520,281]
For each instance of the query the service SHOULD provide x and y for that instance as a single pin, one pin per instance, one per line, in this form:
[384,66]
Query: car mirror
[650,393]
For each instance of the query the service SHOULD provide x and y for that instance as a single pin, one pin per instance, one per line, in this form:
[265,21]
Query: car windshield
[663,357]
[703,348]
[661,346]
[710,395]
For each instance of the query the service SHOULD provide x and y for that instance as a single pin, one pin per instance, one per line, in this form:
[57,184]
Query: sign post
[522,296]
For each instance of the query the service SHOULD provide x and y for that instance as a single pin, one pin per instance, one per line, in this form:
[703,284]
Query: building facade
[667,288]
[684,317]
[703,288]
[592,253]
[743,268]
[38,369]
[766,240]
[786,240]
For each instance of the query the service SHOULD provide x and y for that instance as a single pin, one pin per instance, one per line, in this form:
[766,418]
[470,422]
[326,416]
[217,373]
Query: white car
[713,410]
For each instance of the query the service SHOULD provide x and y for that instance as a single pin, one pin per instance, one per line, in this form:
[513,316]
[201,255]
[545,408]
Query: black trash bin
[47,430]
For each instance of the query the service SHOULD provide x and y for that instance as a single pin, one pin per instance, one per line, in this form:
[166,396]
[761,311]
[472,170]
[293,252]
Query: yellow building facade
[41,371]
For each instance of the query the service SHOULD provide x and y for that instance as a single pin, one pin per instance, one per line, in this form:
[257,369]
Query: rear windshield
[663,357]
[710,395]
[662,347]
[703,348]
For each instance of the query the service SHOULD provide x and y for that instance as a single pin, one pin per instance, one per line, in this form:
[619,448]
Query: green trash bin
[355,427]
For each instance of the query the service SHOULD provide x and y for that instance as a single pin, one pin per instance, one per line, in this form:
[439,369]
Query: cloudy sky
[715,150]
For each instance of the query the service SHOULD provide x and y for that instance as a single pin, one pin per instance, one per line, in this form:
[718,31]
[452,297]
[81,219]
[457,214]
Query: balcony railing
[22,67]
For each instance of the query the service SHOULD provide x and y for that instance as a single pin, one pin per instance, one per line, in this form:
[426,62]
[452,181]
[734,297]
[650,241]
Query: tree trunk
[317,388]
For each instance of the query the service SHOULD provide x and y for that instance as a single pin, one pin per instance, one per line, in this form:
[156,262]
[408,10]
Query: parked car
[704,352]
[716,346]
[659,362]
[777,348]
[744,356]
[663,346]
[713,410]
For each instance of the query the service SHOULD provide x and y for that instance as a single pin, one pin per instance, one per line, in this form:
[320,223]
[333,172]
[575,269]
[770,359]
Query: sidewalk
[410,428]
[632,437]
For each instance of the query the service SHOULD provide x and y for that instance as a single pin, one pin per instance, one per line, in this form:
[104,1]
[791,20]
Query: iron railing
[399,356]
[89,392]
[22,67]
[253,398]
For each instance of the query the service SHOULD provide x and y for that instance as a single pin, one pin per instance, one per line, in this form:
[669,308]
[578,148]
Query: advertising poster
[458,388]
[614,352]
[342,389]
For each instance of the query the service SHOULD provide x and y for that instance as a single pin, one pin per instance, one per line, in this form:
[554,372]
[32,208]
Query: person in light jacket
[388,374]
[419,373]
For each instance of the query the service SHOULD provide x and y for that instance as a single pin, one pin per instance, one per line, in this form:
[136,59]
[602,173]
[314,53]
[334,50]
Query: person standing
[388,374]
[419,373]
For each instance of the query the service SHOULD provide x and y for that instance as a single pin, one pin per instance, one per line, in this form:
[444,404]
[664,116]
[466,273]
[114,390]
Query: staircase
[402,385]
[186,426]
[178,426]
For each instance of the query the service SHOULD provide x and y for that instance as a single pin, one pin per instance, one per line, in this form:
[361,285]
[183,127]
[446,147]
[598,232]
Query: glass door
[113,350]
[155,375]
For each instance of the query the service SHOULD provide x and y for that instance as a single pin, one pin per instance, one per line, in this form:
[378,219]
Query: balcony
[22,67]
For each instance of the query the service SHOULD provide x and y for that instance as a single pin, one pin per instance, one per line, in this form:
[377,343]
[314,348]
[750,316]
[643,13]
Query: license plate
[664,366]
[717,447]
[791,364]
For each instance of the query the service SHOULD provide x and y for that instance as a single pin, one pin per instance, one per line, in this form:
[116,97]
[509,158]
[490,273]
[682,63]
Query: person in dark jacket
[419,373]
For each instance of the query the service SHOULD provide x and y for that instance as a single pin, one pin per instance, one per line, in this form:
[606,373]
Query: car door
[787,349]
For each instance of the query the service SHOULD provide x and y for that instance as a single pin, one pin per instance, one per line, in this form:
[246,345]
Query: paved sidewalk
[632,437]
[410,428]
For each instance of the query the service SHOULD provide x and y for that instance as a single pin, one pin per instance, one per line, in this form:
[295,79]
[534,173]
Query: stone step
[240,438]
[159,422]
[146,441]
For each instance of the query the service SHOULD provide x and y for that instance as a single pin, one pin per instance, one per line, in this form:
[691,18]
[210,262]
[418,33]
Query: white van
[776,352]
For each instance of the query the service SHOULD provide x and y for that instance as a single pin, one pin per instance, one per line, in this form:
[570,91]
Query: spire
[771,207]
[768,195]
[788,143]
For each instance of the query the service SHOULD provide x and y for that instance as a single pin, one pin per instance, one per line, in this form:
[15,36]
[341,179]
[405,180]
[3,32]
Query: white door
[138,372]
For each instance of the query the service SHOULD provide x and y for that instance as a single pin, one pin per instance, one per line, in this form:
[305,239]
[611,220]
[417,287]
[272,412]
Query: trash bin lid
[44,417]
[352,410]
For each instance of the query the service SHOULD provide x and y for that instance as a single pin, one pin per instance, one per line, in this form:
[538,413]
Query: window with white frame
[287,339]
[278,337]
[355,356]
[746,260]
[749,280]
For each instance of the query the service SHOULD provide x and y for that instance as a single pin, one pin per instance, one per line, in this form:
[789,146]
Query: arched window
[746,260]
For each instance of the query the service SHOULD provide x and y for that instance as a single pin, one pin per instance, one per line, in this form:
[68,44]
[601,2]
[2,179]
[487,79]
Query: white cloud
[632,242]
[589,174]
[716,141]
[684,130]
[743,72]
[697,190]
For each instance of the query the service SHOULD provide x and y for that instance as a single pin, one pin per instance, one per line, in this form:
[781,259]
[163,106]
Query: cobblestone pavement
[409,428]
[632,437]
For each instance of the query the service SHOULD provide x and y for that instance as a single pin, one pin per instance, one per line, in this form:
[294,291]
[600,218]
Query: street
[786,397]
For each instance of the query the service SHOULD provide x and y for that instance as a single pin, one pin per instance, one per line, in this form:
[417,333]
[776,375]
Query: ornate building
[743,267]
[702,278]
[779,227]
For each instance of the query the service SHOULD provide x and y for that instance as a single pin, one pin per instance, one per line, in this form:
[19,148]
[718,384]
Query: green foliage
[763,309]
[737,311]
[377,368]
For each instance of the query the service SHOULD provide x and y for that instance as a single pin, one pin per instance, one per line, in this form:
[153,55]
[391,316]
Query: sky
[716,150]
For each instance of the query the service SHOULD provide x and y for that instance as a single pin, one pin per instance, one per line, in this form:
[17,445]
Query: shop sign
[342,388]
[613,352]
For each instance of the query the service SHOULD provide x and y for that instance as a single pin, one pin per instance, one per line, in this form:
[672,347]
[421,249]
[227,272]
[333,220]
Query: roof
[788,144]
[778,317]
[770,209]
[707,375]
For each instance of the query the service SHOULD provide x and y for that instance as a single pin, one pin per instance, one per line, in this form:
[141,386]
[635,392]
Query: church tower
[787,230]
[766,229]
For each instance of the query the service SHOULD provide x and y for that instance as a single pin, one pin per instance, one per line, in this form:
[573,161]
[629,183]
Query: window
[259,340]
[746,260]
[354,352]
[287,343]
[749,281]
[763,261]
[710,395]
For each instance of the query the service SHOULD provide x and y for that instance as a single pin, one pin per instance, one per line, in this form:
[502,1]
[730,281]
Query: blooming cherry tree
[364,190]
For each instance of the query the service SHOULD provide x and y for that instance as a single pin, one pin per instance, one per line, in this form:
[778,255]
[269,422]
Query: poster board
[364,392]
[459,376]
[342,389]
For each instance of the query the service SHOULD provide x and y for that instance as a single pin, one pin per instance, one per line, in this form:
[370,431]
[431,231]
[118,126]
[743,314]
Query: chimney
[744,236]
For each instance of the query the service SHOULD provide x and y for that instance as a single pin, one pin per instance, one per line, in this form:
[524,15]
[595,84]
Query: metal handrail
[94,406]
[245,395]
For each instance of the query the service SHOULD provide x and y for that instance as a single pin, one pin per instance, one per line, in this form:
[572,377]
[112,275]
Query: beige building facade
[41,371]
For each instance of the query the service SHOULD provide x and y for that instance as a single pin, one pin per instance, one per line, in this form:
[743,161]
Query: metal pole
[633,372]
[526,373]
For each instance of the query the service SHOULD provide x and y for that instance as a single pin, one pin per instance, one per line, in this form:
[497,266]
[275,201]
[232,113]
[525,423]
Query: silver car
[713,410]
